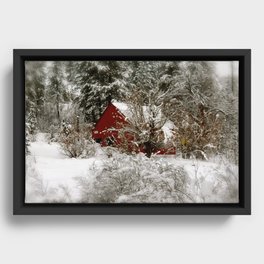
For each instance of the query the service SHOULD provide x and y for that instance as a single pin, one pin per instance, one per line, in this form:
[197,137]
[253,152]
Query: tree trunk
[58,104]
[58,111]
[77,124]
[148,149]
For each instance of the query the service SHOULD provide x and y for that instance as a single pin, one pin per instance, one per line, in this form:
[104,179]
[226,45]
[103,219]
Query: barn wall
[112,118]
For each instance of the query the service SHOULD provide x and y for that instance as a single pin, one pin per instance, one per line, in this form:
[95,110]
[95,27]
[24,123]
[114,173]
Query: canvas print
[131,131]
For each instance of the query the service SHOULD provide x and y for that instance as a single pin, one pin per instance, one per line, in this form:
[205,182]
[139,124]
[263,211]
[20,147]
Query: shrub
[227,188]
[77,144]
[214,181]
[126,178]
[73,144]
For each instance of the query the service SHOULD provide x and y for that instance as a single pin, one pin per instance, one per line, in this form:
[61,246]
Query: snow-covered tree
[30,127]
[56,92]
[148,106]
[193,107]
[185,93]
[229,103]
[98,84]
[35,78]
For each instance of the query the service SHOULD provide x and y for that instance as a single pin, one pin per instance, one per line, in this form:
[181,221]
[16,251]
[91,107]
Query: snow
[41,149]
[53,177]
[55,168]
[123,108]
[167,128]
[214,178]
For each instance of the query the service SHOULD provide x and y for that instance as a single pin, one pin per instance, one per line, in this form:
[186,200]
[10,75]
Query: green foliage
[34,90]
[98,83]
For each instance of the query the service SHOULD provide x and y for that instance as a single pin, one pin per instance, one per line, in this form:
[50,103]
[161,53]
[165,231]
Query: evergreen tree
[70,70]
[35,78]
[56,92]
[98,84]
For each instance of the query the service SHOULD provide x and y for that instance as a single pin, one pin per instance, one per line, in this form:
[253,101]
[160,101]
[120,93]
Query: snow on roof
[168,130]
[123,108]
[126,111]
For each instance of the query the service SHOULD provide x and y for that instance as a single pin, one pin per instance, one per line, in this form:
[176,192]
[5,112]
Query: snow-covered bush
[110,151]
[77,143]
[213,181]
[73,144]
[53,130]
[226,175]
[163,183]
[133,179]
[30,129]
[27,138]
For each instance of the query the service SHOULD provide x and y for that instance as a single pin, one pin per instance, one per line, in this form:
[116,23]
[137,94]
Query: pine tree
[35,78]
[98,84]
[56,92]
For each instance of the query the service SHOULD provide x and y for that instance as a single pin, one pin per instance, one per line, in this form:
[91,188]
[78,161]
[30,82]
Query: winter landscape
[131,132]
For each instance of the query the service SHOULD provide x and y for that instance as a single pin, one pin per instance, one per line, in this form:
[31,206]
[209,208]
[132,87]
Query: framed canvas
[132,132]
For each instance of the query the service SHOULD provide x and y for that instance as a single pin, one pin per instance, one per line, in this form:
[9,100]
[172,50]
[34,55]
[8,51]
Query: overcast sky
[223,68]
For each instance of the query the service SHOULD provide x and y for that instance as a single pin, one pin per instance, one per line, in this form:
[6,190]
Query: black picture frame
[241,208]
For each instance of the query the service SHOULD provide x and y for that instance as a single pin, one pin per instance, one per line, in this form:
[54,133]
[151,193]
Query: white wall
[137,24]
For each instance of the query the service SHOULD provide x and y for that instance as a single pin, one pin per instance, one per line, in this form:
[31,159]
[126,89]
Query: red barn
[116,116]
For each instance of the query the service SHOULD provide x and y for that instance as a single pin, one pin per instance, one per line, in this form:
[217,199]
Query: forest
[65,99]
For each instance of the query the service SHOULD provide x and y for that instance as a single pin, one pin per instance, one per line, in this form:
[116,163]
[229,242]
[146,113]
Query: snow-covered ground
[54,170]
[51,176]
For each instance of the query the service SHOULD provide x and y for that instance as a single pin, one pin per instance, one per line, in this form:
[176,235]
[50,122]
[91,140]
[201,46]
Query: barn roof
[125,110]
